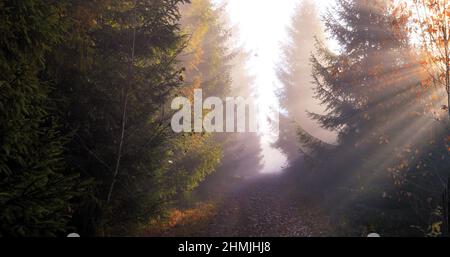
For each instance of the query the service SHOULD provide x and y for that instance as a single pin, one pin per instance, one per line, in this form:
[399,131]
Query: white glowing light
[262,26]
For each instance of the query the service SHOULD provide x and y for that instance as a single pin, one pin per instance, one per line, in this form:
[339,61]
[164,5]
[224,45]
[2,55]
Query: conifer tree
[294,73]
[36,187]
[363,86]
[369,92]
[116,72]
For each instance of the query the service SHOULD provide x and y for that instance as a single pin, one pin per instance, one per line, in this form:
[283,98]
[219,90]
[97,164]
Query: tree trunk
[124,112]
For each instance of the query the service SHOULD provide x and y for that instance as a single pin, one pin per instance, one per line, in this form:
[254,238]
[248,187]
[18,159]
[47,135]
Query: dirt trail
[266,206]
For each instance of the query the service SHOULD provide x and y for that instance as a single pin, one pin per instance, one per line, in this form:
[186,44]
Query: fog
[262,31]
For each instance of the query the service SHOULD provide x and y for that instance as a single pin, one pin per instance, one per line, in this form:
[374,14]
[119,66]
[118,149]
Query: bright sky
[262,26]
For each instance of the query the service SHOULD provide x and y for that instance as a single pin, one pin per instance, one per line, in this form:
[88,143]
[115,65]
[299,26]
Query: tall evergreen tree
[364,85]
[294,73]
[36,188]
[368,90]
[242,152]
[116,72]
[206,60]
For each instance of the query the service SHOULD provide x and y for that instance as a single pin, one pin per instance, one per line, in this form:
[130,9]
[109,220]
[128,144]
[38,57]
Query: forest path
[267,206]
[264,207]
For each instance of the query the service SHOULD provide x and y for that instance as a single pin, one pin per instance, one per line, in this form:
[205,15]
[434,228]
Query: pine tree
[207,67]
[362,85]
[368,89]
[242,152]
[36,187]
[116,72]
[294,73]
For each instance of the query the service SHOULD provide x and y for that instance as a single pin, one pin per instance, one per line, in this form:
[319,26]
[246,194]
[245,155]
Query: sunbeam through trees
[101,133]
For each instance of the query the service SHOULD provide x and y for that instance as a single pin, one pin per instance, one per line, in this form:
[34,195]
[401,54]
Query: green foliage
[85,89]
[370,89]
[207,60]
[115,73]
[36,189]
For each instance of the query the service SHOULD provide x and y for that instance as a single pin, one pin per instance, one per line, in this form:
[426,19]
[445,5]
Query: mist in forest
[297,25]
[353,99]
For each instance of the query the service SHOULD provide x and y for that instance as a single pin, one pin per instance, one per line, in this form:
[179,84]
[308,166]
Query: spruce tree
[36,187]
[206,59]
[115,73]
[368,90]
[294,73]
[361,86]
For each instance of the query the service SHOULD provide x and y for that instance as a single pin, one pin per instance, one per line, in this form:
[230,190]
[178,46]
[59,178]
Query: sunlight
[262,28]
[224,119]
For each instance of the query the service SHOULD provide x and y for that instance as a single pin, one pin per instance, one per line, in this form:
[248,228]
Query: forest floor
[266,206]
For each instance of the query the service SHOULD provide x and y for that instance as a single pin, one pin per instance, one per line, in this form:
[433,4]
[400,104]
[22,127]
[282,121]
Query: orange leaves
[426,82]
[401,16]
[179,220]
[177,217]
[197,21]
[432,34]
[401,11]
[431,29]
